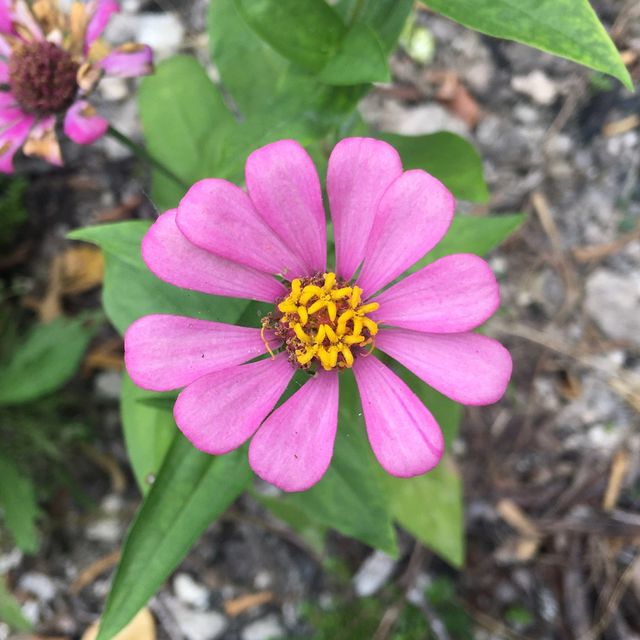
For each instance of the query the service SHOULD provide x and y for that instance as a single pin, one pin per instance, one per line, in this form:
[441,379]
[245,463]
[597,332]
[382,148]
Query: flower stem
[143,154]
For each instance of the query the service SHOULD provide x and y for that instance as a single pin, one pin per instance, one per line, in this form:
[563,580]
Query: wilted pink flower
[50,62]
[224,241]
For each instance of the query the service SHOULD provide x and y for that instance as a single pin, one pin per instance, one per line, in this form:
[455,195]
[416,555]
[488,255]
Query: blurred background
[551,474]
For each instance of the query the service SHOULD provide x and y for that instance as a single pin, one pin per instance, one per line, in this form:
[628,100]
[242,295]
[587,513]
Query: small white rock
[31,611]
[10,560]
[163,32]
[537,85]
[104,530]
[196,625]
[262,580]
[373,573]
[113,89]
[268,628]
[613,301]
[38,585]
[190,592]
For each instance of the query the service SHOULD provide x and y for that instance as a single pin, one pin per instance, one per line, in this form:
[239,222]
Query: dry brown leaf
[142,627]
[108,355]
[621,126]
[619,468]
[236,606]
[82,269]
[511,513]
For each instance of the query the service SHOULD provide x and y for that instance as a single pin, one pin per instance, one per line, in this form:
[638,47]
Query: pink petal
[4,72]
[360,171]
[403,434]
[293,448]
[219,216]
[5,17]
[413,216]
[12,137]
[284,187]
[468,367]
[179,262]
[103,10]
[129,61]
[82,124]
[221,410]
[454,294]
[164,352]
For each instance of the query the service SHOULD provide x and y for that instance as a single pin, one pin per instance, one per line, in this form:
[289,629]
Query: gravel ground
[552,473]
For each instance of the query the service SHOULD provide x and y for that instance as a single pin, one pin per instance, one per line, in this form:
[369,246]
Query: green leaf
[186,125]
[430,508]
[10,610]
[385,17]
[360,58]
[351,497]
[45,360]
[567,28]
[131,291]
[18,503]
[149,430]
[192,489]
[473,234]
[448,157]
[307,32]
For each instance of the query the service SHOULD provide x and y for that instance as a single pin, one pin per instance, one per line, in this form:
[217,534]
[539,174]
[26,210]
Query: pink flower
[50,62]
[224,241]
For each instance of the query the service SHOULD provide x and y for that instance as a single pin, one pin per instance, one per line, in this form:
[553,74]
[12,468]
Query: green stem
[143,154]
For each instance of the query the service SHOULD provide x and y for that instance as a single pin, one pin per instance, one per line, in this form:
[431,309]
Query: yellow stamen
[310,291]
[317,305]
[355,297]
[304,357]
[348,356]
[331,334]
[329,280]
[368,308]
[321,334]
[325,322]
[302,336]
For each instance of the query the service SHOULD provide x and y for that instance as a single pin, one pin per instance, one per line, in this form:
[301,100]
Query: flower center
[323,319]
[42,77]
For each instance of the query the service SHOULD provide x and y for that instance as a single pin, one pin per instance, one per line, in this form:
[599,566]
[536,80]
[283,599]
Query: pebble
[38,585]
[268,628]
[113,89]
[163,32]
[196,625]
[190,592]
[104,530]
[108,384]
[537,85]
[613,301]
[373,573]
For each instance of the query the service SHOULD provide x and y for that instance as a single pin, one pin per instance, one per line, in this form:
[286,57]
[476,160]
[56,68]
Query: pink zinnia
[50,62]
[224,241]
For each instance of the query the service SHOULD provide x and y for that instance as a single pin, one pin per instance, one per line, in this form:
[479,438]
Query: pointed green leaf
[192,490]
[10,610]
[18,505]
[307,32]
[567,28]
[149,429]
[359,58]
[430,508]
[45,360]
